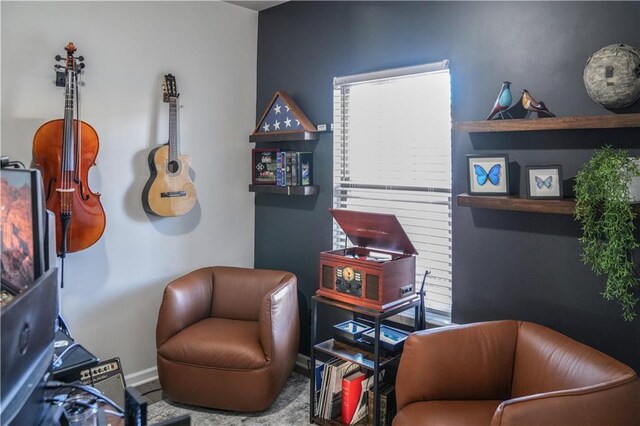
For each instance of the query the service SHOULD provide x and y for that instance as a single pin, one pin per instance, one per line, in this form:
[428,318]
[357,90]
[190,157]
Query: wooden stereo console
[379,272]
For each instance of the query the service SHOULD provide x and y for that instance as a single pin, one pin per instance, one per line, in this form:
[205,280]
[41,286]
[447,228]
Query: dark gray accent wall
[523,266]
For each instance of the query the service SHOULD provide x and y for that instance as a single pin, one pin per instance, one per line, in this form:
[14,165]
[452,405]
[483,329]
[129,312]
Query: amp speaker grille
[327,277]
[372,287]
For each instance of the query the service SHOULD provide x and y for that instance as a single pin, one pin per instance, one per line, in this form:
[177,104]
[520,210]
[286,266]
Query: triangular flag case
[283,120]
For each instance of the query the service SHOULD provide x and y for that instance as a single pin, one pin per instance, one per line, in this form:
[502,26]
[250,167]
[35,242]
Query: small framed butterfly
[544,182]
[488,175]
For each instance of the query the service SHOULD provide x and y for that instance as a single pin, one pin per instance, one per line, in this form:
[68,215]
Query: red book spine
[351,389]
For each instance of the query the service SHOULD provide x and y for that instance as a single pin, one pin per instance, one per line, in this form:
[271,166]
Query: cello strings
[78,123]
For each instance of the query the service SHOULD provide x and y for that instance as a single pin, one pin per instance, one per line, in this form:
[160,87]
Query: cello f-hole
[84,196]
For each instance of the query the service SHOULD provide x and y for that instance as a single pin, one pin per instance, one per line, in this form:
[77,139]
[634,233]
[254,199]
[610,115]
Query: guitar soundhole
[173,166]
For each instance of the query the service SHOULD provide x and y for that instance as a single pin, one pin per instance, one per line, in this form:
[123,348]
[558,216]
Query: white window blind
[392,154]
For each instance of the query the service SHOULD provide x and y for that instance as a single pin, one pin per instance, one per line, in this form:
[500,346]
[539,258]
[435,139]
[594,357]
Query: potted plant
[604,210]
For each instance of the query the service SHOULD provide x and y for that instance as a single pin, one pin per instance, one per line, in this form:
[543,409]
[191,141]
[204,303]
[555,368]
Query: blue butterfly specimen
[493,176]
[547,182]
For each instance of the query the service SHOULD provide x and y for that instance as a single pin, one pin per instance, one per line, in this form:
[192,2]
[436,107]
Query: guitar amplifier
[379,272]
[107,377]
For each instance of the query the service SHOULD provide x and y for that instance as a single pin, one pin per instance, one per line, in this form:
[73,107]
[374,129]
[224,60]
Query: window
[392,154]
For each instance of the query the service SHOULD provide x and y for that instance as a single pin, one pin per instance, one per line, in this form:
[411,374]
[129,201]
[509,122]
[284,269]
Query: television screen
[22,228]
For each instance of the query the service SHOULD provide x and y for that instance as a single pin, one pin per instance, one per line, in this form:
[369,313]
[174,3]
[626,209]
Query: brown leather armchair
[227,338]
[511,373]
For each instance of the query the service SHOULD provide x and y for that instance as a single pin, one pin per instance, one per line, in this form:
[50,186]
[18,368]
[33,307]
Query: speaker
[107,377]
[328,280]
[372,287]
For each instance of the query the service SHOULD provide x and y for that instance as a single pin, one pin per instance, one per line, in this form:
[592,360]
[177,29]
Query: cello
[64,150]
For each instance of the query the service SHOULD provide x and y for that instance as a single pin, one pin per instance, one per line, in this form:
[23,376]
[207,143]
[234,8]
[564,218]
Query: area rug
[290,408]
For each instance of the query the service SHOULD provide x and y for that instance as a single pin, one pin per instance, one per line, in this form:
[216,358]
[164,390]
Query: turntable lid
[374,230]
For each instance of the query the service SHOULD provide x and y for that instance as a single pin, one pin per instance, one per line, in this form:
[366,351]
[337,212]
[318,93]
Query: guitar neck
[173,129]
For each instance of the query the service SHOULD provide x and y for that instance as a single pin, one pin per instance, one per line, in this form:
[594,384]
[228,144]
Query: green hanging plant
[603,208]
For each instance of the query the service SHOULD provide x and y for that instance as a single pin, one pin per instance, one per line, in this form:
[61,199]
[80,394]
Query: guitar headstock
[169,88]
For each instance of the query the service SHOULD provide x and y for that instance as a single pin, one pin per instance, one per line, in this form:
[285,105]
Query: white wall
[113,289]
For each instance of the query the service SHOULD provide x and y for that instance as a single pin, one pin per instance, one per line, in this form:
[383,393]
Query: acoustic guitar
[169,190]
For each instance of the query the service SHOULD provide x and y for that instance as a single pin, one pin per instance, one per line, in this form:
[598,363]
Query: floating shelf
[284,136]
[610,121]
[518,203]
[285,190]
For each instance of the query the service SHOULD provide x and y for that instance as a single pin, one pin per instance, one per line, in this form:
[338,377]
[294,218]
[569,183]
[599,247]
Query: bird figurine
[503,101]
[517,110]
[532,105]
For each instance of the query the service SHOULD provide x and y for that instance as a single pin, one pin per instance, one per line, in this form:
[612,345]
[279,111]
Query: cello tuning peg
[59,58]
[80,58]
[59,66]
[81,66]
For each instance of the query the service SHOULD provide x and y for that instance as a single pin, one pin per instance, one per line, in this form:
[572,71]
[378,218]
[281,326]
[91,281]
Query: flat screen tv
[29,303]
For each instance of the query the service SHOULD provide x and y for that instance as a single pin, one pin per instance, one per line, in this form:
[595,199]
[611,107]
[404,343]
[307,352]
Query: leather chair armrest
[185,301]
[472,361]
[279,321]
[613,403]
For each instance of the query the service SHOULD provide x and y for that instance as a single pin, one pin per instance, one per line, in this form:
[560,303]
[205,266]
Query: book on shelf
[324,400]
[362,408]
[305,168]
[330,397]
[351,390]
[281,171]
[321,390]
[294,168]
[388,394]
[387,404]
[288,168]
[317,371]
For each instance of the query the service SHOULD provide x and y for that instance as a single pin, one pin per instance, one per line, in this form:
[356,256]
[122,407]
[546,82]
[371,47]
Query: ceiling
[256,5]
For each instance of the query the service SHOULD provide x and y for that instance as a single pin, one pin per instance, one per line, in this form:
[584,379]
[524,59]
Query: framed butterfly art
[488,175]
[544,182]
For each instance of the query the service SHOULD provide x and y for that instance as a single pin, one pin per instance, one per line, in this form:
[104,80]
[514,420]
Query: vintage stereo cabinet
[377,273]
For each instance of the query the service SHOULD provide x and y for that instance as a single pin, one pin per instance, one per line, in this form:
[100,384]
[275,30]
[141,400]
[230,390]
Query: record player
[379,272]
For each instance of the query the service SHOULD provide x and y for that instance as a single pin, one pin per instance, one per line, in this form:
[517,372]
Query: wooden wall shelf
[284,136]
[518,203]
[610,121]
[285,190]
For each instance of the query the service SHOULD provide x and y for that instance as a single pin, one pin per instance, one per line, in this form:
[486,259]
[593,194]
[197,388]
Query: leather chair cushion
[547,361]
[217,343]
[238,292]
[482,371]
[447,413]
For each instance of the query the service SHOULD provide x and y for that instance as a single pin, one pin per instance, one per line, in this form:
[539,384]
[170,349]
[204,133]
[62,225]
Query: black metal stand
[370,361]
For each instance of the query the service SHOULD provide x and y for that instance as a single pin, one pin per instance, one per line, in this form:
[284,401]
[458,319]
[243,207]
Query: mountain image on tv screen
[16,219]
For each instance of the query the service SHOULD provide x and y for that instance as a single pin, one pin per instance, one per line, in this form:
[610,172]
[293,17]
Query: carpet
[290,408]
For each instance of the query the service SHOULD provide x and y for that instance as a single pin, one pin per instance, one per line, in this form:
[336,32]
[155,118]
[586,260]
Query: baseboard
[141,377]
